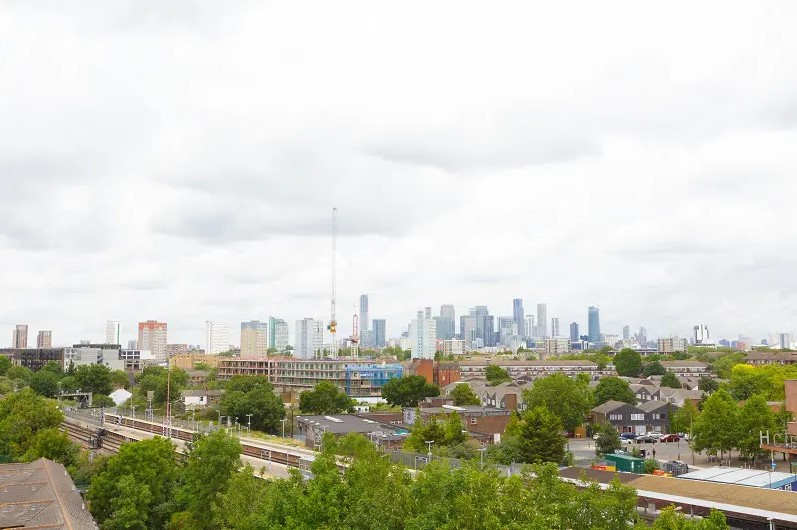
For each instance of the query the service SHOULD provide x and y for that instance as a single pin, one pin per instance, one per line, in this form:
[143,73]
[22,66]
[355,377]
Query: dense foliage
[463,394]
[325,398]
[408,391]
[613,388]
[628,363]
[255,396]
[496,375]
[570,399]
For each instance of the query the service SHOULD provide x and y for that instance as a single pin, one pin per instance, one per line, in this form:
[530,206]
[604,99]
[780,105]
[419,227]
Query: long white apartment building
[217,337]
[113,332]
[108,355]
[309,338]
[520,368]
[423,337]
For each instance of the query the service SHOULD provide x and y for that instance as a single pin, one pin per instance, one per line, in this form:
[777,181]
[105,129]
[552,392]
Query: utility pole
[249,424]
[429,443]
[283,420]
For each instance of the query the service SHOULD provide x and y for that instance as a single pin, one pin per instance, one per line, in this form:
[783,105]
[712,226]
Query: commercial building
[557,345]
[555,327]
[447,312]
[423,337]
[519,316]
[278,335]
[152,337]
[626,332]
[593,325]
[109,355]
[467,330]
[672,345]
[113,332]
[359,379]
[309,338]
[380,336]
[365,322]
[757,478]
[254,338]
[784,341]
[44,339]
[529,327]
[700,334]
[20,339]
[382,429]
[542,321]
[367,339]
[40,494]
[574,337]
[488,331]
[217,337]
[34,358]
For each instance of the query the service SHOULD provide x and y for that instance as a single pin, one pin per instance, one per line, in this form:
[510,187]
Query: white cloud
[179,161]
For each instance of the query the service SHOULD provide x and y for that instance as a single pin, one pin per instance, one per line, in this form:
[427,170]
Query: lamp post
[283,420]
[482,449]
[429,443]
[249,423]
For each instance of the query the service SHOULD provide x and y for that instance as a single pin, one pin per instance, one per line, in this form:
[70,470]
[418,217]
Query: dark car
[628,436]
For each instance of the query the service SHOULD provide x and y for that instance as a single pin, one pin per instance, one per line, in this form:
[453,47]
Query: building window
[616,417]
[637,417]
[473,421]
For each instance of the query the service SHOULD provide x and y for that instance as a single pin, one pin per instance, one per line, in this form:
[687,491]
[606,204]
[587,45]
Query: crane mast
[355,336]
[333,324]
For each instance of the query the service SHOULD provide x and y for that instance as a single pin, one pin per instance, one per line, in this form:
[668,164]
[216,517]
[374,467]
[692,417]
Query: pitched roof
[654,404]
[41,494]
[609,406]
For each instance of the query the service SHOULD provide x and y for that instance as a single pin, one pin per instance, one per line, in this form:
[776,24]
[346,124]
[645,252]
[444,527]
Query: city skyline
[184,198]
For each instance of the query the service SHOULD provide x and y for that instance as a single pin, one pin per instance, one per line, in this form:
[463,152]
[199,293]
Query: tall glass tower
[594,325]
[519,316]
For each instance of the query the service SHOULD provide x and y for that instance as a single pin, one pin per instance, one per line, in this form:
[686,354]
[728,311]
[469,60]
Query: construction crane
[355,336]
[333,323]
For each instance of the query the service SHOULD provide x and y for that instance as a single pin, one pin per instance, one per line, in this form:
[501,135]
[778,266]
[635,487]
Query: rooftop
[41,494]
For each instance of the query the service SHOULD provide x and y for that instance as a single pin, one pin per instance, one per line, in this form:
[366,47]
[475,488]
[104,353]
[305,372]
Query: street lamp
[482,449]
[429,443]
[249,424]
[283,420]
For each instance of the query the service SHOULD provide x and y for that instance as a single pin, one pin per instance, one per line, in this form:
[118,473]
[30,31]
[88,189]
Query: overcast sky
[179,161]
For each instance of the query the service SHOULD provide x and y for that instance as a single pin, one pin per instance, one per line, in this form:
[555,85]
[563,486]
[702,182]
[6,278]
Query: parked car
[669,438]
[648,438]
[628,435]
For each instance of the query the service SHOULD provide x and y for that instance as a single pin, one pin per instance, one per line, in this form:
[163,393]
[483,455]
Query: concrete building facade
[152,337]
[217,337]
[254,338]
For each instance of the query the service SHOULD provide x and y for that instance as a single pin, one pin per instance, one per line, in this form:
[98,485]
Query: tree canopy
[541,437]
[23,415]
[628,363]
[325,398]
[613,388]
[463,394]
[653,368]
[608,440]
[716,429]
[408,391]
[670,380]
[496,375]
[568,398]
[260,401]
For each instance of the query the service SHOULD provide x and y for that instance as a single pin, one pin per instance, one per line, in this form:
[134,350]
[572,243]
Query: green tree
[261,402]
[246,383]
[44,383]
[708,384]
[408,391]
[716,429]
[496,375]
[628,363]
[5,364]
[568,398]
[99,400]
[119,379]
[755,417]
[94,378]
[148,464]
[670,380]
[650,465]
[211,464]
[613,388]
[669,519]
[463,394]
[608,440]
[325,398]
[423,431]
[53,444]
[130,507]
[653,368]
[684,418]
[19,373]
[54,367]
[541,437]
[23,414]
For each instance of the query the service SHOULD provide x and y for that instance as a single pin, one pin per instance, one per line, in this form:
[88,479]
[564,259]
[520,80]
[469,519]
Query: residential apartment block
[152,337]
[44,339]
[518,369]
[254,338]
[649,416]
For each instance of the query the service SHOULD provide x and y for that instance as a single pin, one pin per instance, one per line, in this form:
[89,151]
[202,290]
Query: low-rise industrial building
[745,477]
[384,430]
[486,423]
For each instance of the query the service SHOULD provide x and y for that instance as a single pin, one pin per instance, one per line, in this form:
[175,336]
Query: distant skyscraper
[277,334]
[45,339]
[20,336]
[542,321]
[784,341]
[309,338]
[555,327]
[701,334]
[365,323]
[447,311]
[519,316]
[574,332]
[467,330]
[379,332]
[152,336]
[132,344]
[254,338]
[530,327]
[594,325]
[479,312]
[443,326]
[113,332]
[626,332]
[489,330]
[427,312]
[642,337]
[423,337]
[217,337]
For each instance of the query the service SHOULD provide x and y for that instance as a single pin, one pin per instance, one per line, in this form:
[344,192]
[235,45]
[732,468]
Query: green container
[627,463]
